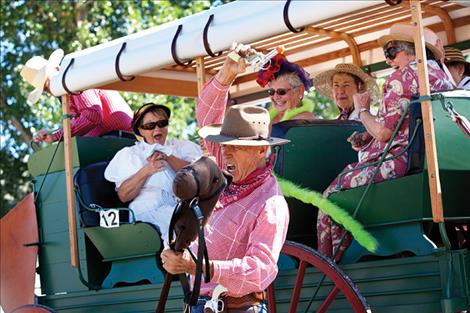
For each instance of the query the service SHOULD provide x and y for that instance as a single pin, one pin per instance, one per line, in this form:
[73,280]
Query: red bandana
[239,190]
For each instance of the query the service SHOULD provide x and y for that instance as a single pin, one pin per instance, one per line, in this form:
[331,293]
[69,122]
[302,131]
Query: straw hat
[244,125]
[455,55]
[405,32]
[140,113]
[323,82]
[37,70]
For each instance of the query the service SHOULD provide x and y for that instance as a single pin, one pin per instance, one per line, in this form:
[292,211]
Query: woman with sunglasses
[143,173]
[287,84]
[399,88]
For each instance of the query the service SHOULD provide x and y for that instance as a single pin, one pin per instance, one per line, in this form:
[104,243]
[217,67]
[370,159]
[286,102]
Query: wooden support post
[355,52]
[69,182]
[201,74]
[447,21]
[428,122]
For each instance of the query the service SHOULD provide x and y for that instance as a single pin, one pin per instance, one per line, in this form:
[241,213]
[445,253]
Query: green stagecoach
[420,221]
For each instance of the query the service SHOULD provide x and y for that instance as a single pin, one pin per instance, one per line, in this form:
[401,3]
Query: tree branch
[24,134]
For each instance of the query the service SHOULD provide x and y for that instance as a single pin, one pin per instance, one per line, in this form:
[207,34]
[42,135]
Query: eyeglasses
[280,91]
[391,52]
[152,125]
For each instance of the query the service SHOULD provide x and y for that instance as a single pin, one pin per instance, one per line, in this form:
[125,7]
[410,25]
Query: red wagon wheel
[334,284]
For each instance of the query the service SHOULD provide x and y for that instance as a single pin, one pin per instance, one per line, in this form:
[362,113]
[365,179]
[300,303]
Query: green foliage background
[39,27]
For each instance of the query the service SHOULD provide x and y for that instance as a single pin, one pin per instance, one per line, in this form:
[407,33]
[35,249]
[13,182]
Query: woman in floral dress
[398,90]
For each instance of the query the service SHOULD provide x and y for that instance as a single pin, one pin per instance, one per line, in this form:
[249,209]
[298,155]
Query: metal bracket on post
[116,65]
[206,41]
[287,21]
[173,48]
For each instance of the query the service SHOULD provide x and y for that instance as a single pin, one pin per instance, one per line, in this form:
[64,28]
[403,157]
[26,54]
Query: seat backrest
[127,241]
[416,151]
[93,188]
[119,134]
[318,150]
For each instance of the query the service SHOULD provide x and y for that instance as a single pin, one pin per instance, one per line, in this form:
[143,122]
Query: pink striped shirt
[244,239]
[96,112]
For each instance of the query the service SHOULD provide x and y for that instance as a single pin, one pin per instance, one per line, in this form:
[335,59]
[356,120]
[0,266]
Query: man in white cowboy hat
[94,112]
[247,229]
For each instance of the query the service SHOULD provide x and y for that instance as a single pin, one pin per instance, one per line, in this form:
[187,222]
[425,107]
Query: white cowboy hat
[244,125]
[37,70]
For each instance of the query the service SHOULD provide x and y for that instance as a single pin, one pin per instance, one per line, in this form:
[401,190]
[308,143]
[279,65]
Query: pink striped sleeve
[88,113]
[117,113]
[210,109]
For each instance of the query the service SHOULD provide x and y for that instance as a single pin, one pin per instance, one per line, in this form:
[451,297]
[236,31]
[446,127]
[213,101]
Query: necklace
[306,106]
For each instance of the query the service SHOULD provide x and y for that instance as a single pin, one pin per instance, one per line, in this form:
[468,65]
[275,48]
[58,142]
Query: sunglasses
[152,125]
[391,52]
[279,92]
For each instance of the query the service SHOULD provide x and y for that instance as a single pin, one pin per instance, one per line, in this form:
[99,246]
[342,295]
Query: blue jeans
[199,308]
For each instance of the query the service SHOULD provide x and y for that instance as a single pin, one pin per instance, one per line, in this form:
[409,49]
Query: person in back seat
[341,84]
[287,83]
[95,112]
[399,88]
[144,173]
[458,67]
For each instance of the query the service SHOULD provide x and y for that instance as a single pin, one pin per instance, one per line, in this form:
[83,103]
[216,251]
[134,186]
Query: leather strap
[246,301]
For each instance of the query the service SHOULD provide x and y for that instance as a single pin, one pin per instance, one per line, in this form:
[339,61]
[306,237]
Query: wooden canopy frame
[322,35]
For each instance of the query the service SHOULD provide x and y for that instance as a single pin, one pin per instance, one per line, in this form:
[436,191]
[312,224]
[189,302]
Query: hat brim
[55,58]
[323,82]
[212,133]
[385,39]
[136,121]
[34,96]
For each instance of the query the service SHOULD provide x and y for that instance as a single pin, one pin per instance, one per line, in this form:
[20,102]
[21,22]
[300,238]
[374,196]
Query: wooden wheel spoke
[327,269]
[298,286]
[329,299]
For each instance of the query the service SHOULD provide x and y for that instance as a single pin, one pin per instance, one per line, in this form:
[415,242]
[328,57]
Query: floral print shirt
[399,88]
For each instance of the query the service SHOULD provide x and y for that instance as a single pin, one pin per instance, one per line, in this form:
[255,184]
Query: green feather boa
[339,215]
[307,106]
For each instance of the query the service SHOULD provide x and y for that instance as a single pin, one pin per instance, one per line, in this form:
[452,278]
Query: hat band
[255,137]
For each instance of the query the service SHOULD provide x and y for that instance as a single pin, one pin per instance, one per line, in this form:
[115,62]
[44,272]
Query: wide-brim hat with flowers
[405,32]
[243,125]
[37,70]
[323,82]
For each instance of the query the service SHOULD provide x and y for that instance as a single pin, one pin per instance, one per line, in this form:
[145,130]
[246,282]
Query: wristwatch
[362,110]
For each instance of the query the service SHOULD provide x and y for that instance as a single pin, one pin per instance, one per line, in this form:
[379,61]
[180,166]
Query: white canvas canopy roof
[336,31]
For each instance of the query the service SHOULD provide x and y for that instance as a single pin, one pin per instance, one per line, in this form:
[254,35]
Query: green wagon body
[396,212]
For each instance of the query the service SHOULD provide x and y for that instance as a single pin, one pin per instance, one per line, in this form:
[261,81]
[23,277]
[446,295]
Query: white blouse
[156,200]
